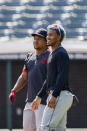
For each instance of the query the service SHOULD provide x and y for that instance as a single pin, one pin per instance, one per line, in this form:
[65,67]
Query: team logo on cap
[38,32]
[55,26]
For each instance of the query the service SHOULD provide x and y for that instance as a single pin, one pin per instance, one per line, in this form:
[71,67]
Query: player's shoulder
[29,56]
[62,52]
[47,53]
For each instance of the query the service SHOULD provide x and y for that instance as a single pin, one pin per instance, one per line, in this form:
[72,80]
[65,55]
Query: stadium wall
[12,54]
[77,81]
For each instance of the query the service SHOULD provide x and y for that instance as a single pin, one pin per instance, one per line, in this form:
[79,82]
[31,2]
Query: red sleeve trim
[25,71]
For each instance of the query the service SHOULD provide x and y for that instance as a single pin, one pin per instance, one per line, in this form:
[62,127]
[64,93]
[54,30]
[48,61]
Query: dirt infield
[73,129]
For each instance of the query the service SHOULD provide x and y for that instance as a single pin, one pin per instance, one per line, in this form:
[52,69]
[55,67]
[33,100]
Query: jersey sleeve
[25,69]
[27,63]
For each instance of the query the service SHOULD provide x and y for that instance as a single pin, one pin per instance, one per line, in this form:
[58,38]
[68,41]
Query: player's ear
[59,37]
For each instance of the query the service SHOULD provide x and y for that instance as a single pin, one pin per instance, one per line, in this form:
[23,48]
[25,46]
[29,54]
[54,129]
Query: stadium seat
[18,15]
[82,2]
[61,3]
[13,3]
[35,3]
[21,34]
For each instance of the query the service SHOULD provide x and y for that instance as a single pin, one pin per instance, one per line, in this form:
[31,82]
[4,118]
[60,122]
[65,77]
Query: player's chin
[48,44]
[35,47]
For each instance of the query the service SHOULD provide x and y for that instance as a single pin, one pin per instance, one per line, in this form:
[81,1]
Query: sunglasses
[54,28]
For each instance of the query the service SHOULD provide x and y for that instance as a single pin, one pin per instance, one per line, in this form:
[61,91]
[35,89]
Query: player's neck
[55,46]
[38,52]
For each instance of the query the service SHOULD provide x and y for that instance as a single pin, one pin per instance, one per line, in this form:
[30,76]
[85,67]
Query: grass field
[73,129]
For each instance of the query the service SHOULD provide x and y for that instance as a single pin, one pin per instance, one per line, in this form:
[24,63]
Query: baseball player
[34,72]
[60,97]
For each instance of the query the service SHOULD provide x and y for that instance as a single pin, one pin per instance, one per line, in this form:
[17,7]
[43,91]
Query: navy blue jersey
[36,65]
[57,73]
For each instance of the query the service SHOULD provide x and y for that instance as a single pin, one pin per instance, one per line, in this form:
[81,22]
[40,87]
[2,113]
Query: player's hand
[36,103]
[52,102]
[12,97]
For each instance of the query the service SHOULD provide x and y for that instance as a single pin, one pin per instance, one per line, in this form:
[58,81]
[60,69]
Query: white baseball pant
[55,119]
[32,119]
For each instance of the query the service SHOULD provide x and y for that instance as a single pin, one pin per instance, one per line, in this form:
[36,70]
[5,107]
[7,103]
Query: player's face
[39,42]
[52,37]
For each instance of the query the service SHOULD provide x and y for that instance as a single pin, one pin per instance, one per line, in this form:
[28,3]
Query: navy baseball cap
[41,32]
[60,30]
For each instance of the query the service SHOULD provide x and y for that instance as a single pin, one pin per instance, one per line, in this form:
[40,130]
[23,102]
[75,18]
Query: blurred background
[20,18]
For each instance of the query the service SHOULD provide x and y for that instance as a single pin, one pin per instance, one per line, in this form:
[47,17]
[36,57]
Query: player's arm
[22,80]
[62,69]
[39,96]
